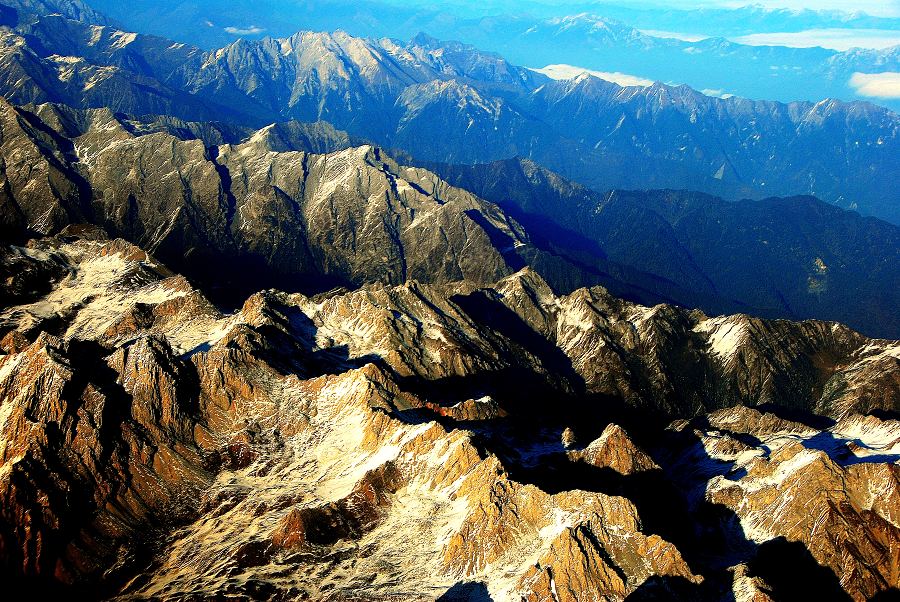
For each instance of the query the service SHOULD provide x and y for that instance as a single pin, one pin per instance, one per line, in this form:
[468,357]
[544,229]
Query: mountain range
[642,41]
[338,445]
[205,198]
[323,317]
[589,130]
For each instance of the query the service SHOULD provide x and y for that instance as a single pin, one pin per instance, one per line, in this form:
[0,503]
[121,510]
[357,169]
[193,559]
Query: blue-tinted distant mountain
[778,257]
[599,38]
[742,20]
[447,102]
[660,136]
[72,9]
[770,72]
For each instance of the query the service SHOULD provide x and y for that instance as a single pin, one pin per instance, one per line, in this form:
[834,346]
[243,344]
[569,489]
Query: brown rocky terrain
[403,441]
[237,215]
[434,402]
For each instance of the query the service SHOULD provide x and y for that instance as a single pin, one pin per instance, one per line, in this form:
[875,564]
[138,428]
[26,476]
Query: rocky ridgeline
[404,441]
[238,210]
[238,215]
[452,103]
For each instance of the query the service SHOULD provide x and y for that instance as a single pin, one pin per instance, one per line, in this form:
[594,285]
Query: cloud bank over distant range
[571,72]
[562,72]
[835,39]
[250,30]
[877,85]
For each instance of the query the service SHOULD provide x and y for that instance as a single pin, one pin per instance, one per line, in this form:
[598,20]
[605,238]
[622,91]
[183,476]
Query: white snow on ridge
[97,293]
[872,436]
[726,336]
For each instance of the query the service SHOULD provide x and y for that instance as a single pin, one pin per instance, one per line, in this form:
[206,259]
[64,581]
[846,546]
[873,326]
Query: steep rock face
[318,137]
[129,465]
[40,192]
[293,448]
[352,216]
[614,449]
[835,491]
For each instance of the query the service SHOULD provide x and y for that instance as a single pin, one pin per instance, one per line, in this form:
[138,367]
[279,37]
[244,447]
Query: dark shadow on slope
[290,346]
[517,389]
[882,414]
[676,589]
[707,535]
[671,503]
[502,320]
[838,450]
[467,591]
[9,17]
[501,241]
[17,588]
[888,595]
[811,420]
[793,574]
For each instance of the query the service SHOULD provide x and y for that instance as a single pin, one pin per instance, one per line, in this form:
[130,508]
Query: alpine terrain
[325,317]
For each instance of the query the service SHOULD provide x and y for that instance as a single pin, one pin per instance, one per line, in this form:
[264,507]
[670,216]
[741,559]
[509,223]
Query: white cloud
[836,39]
[877,85]
[563,72]
[245,31]
[571,72]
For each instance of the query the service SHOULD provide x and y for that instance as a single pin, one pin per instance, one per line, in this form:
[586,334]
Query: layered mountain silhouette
[204,196]
[413,95]
[246,352]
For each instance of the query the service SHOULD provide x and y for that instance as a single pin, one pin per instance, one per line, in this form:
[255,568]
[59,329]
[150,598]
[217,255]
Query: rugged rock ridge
[833,490]
[233,214]
[295,448]
[334,469]
[589,342]
[222,195]
[400,95]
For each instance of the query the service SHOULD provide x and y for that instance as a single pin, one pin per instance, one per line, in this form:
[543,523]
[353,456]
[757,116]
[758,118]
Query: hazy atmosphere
[783,51]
